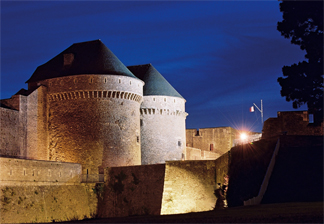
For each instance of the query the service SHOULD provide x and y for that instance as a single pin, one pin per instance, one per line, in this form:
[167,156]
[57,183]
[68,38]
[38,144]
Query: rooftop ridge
[90,57]
[155,83]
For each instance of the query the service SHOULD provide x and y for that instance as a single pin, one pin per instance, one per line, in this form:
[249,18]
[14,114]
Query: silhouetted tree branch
[303,82]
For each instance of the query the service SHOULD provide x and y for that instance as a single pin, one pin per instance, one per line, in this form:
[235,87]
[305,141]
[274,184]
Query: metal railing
[92,178]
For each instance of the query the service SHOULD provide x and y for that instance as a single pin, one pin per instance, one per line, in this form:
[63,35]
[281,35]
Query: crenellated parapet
[156,111]
[99,94]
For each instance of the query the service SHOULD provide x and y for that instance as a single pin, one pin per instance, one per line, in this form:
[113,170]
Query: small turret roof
[155,83]
[91,57]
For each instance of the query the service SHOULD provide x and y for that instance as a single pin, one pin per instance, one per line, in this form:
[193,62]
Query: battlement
[99,94]
[153,111]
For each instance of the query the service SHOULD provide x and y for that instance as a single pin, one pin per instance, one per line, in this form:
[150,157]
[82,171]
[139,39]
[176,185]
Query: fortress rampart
[291,123]
[35,172]
[219,140]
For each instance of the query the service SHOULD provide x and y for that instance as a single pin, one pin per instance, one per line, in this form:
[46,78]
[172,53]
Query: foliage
[303,82]
[99,189]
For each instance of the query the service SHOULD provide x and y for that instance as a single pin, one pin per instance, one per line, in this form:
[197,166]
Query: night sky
[221,56]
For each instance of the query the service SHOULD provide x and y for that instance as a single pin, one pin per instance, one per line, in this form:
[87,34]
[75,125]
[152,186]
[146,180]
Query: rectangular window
[311,118]
[137,139]
[179,143]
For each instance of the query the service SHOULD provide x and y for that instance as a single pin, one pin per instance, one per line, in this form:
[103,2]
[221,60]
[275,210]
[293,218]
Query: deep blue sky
[221,56]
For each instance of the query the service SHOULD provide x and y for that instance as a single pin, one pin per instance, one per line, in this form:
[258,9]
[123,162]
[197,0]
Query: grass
[299,212]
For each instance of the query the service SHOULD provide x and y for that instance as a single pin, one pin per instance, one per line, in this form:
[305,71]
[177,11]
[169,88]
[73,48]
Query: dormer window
[68,59]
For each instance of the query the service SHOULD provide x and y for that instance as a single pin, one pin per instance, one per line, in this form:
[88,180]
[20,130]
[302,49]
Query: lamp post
[260,110]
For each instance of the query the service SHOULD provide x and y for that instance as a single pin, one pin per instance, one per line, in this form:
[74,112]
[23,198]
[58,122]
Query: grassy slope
[310,212]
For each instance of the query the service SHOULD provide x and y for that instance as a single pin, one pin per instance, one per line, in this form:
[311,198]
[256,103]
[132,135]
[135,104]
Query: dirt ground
[303,212]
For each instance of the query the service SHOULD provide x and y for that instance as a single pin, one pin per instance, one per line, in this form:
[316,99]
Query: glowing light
[243,136]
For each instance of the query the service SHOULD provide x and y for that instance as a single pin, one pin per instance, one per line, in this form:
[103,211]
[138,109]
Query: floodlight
[243,136]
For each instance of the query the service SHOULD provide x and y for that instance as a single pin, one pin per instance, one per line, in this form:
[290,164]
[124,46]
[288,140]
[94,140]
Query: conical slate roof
[155,83]
[91,57]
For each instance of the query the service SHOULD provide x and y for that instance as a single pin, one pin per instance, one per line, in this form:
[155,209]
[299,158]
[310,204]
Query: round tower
[163,127]
[93,105]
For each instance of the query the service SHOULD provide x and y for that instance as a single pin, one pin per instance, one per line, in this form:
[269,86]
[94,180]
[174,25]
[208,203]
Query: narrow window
[141,121]
[164,99]
[119,80]
[179,143]
[130,82]
[90,80]
[153,99]
[60,174]
[211,147]
[105,80]
[137,139]
[24,172]
[311,118]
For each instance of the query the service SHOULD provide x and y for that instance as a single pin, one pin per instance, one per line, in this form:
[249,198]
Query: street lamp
[243,137]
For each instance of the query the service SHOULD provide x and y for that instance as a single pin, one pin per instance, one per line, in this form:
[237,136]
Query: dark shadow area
[249,163]
[298,173]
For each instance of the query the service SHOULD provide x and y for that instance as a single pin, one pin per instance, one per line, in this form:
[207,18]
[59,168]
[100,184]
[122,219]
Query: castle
[86,113]
[85,106]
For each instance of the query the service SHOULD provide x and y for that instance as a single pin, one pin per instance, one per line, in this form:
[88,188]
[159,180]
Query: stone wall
[290,123]
[198,154]
[132,190]
[189,187]
[37,124]
[13,122]
[222,167]
[170,188]
[163,125]
[9,145]
[34,172]
[219,140]
[47,203]
[95,120]
[44,191]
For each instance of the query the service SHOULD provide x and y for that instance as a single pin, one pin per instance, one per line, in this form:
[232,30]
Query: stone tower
[163,129]
[92,107]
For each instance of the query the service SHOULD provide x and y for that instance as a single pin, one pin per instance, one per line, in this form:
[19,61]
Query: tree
[303,82]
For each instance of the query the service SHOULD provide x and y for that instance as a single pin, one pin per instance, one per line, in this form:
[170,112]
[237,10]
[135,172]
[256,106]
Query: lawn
[298,212]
